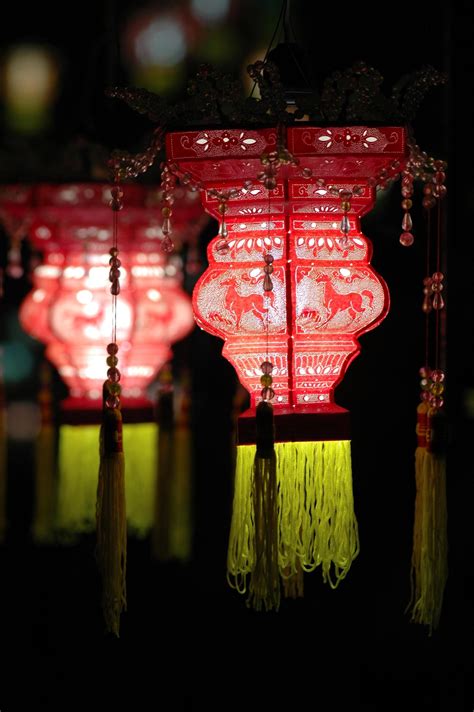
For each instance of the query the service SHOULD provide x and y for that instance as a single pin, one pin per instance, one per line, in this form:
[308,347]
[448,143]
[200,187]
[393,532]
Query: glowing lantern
[69,310]
[300,327]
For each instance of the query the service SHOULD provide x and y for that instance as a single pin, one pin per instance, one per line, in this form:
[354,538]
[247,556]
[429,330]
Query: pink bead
[112,349]
[267,394]
[115,288]
[113,374]
[267,283]
[437,375]
[426,306]
[425,396]
[407,222]
[438,302]
[268,259]
[438,276]
[440,191]
[425,372]
[167,244]
[270,183]
[266,367]
[429,202]
[222,247]
[407,239]
[112,402]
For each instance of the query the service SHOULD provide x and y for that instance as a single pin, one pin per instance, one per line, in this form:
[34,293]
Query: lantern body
[325,293]
[69,308]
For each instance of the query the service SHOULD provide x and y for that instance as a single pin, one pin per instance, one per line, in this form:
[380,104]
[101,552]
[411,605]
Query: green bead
[266,380]
[112,361]
[437,389]
[114,388]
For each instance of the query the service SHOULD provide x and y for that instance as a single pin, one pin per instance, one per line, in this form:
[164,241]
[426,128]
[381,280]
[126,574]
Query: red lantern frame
[325,292]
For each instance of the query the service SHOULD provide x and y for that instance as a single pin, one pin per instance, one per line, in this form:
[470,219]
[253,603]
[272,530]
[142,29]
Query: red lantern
[290,289]
[69,307]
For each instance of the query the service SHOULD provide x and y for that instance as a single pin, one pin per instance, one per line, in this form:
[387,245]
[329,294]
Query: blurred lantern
[157,43]
[3,455]
[290,288]
[30,83]
[69,310]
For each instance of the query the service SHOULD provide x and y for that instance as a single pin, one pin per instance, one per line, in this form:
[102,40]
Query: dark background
[187,640]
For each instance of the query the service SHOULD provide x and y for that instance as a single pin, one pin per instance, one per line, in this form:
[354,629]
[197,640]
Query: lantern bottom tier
[308,511]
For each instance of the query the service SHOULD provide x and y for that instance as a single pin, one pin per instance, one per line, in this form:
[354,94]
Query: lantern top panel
[351,152]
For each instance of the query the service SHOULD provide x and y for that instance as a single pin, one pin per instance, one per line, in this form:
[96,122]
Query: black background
[187,641]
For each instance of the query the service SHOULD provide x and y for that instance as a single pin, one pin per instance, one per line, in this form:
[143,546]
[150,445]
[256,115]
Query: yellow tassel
[77,478]
[180,505]
[45,485]
[45,465]
[171,538]
[3,466]
[264,587]
[164,481]
[293,583]
[429,564]
[111,521]
[317,525]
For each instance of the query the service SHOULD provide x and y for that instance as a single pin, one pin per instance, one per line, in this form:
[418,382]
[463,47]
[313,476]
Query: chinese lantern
[69,310]
[290,289]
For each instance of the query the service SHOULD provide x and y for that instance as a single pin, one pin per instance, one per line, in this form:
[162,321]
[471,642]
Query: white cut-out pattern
[354,139]
[235,303]
[326,301]
[213,143]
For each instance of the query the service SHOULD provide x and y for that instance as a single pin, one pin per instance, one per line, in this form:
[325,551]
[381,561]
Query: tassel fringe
[264,588]
[429,564]
[45,485]
[112,532]
[316,520]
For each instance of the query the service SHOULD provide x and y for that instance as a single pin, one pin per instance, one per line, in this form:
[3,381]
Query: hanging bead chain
[273,161]
[168,183]
[17,230]
[127,165]
[406,238]
[432,387]
[223,196]
[268,270]
[266,380]
[222,245]
[422,167]
[113,374]
[345,226]
[345,196]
